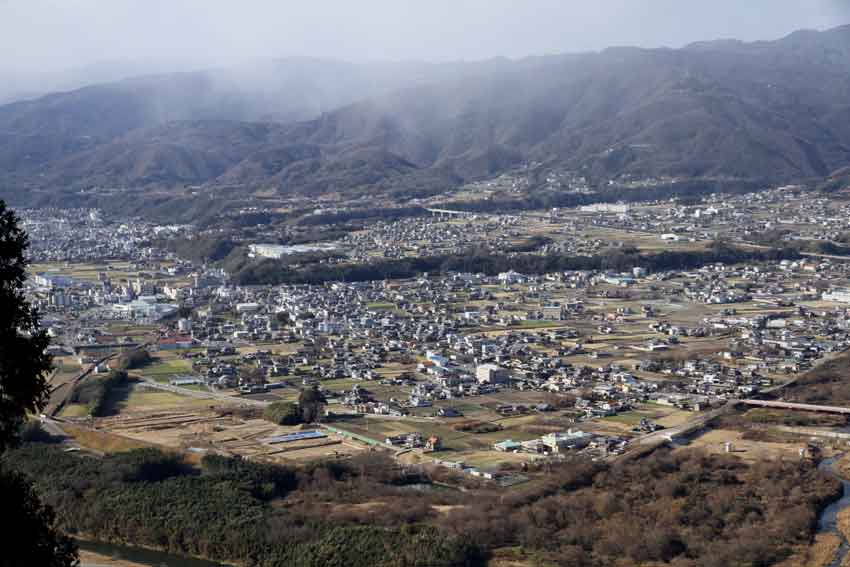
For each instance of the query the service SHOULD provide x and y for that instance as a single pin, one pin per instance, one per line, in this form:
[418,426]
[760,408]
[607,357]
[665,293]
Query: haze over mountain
[18,84]
[772,110]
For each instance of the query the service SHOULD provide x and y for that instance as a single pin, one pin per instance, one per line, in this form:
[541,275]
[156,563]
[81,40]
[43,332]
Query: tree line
[94,392]
[271,272]
[308,409]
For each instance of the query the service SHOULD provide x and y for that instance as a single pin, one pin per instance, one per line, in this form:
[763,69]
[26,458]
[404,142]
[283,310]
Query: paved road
[54,428]
[693,424]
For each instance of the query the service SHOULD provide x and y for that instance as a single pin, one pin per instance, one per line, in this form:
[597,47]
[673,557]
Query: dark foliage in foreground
[683,508]
[29,536]
[24,363]
[29,532]
[225,510]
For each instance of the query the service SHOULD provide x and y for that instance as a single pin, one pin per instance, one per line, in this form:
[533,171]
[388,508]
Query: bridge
[795,406]
[701,420]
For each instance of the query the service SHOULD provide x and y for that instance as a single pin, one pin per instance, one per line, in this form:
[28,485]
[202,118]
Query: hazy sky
[51,35]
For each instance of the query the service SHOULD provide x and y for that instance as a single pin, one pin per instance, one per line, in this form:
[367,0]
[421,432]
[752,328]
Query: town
[483,374]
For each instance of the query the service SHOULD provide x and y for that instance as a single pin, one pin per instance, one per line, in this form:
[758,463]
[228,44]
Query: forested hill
[772,111]
[685,508]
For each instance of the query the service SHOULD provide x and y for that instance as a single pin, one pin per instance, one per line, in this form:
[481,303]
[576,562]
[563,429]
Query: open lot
[715,440]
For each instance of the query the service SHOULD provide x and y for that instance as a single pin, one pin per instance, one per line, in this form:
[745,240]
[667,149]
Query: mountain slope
[40,132]
[772,111]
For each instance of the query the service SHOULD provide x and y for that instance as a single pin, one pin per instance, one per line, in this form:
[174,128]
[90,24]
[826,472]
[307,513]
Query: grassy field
[74,410]
[102,441]
[630,418]
[275,348]
[134,397]
[165,367]
[342,384]
[130,330]
[666,416]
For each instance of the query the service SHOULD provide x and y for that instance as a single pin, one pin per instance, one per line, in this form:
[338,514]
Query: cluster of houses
[429,235]
[604,340]
[84,235]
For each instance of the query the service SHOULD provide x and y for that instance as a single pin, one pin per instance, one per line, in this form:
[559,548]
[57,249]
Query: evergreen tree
[24,364]
[311,401]
[30,535]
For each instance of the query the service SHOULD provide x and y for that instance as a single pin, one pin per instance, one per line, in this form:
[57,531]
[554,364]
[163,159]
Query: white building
[278,251]
[247,307]
[491,374]
[619,208]
[511,277]
[51,281]
[572,439]
[330,327]
[841,294]
[275,251]
[143,309]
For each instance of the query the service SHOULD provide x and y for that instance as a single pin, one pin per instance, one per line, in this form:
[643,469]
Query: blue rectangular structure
[296,436]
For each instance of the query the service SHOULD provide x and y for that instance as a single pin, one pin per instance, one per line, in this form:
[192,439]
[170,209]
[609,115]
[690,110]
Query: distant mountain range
[773,111]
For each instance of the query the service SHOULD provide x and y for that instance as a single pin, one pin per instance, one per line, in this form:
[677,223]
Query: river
[828,521]
[144,556]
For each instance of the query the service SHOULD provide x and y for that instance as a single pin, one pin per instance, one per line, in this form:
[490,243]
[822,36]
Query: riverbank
[820,554]
[92,559]
[101,554]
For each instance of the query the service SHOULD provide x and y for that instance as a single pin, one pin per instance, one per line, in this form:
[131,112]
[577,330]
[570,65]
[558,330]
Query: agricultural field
[201,427]
[166,366]
[643,241]
[135,397]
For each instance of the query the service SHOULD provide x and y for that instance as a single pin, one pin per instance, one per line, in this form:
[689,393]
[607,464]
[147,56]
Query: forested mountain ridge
[773,111]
